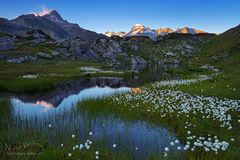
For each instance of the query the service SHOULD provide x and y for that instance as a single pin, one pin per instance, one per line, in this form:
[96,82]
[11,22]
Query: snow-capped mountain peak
[111,33]
[186,30]
[44,12]
[54,16]
[164,31]
[141,30]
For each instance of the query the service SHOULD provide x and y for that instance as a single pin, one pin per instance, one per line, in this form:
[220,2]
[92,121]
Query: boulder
[170,54]
[29,76]
[30,58]
[16,60]
[19,60]
[44,55]
[55,53]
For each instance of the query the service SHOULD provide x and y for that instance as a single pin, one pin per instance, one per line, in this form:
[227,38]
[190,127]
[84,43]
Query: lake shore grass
[44,75]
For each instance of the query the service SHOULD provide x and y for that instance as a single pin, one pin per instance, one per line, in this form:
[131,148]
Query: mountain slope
[73,30]
[10,27]
[50,23]
[41,23]
[223,50]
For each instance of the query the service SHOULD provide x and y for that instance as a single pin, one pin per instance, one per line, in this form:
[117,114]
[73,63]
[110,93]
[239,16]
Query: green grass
[221,86]
[222,52]
[20,136]
[175,122]
[49,73]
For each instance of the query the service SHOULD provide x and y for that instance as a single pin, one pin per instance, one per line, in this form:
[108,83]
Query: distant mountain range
[141,30]
[50,23]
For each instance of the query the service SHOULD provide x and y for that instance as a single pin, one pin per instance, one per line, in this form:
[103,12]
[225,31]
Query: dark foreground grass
[31,138]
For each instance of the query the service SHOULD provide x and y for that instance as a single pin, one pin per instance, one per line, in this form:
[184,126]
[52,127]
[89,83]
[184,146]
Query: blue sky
[115,15]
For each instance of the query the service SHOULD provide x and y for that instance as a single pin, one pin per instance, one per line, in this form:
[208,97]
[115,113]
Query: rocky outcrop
[73,30]
[54,25]
[138,62]
[75,47]
[51,24]
[106,49]
[40,23]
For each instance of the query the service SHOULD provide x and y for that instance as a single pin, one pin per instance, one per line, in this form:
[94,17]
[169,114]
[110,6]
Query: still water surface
[59,108]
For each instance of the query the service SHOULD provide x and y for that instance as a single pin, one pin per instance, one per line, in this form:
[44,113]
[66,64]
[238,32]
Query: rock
[38,35]
[138,60]
[6,43]
[138,63]
[106,49]
[114,47]
[170,54]
[39,40]
[55,53]
[29,76]
[69,54]
[134,47]
[210,67]
[30,58]
[16,60]
[44,55]
[175,61]
[90,54]
[19,60]
[62,50]
[189,47]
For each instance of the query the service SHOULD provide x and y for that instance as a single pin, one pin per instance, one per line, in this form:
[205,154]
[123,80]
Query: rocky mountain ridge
[52,24]
[34,37]
[141,30]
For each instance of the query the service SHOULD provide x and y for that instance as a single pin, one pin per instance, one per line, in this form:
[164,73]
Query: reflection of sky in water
[108,129]
[131,134]
[41,107]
